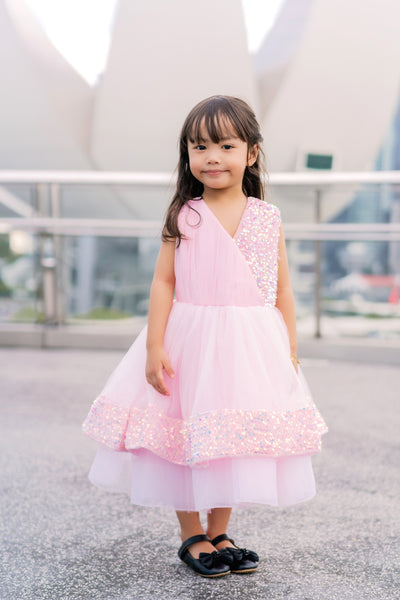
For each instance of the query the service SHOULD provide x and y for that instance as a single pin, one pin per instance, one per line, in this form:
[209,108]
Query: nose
[213,156]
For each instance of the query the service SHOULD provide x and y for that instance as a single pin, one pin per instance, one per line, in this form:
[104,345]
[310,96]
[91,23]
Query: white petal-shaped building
[164,58]
[329,81]
[325,82]
[326,78]
[45,106]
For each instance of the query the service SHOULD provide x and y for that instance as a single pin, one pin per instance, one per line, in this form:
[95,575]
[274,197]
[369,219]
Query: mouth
[214,172]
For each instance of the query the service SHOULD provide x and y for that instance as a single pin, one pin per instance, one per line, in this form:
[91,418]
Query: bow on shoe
[249,554]
[211,559]
[238,554]
[226,557]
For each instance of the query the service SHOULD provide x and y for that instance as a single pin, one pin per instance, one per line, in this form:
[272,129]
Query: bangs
[218,119]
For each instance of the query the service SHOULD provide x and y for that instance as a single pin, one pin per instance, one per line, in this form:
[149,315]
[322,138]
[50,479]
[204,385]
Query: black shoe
[209,564]
[242,560]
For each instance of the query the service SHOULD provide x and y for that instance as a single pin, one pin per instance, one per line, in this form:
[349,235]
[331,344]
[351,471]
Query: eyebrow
[223,139]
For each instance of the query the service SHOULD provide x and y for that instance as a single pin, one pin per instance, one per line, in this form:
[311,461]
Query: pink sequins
[106,423]
[257,238]
[207,436]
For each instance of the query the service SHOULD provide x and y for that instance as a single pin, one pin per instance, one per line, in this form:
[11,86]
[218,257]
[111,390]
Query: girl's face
[220,165]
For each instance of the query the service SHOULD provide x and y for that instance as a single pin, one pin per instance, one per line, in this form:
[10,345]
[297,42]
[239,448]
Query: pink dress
[240,425]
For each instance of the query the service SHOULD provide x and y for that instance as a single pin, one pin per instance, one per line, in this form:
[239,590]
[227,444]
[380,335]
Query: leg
[244,561]
[190,525]
[218,520]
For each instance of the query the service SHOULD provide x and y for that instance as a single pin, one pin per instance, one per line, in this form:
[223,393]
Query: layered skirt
[238,428]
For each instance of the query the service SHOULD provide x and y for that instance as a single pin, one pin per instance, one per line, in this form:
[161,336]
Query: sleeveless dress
[240,425]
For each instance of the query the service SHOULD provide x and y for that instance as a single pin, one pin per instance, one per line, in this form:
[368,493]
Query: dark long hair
[213,113]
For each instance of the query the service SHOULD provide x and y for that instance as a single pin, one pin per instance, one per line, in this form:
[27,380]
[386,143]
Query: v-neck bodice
[234,236]
[214,268]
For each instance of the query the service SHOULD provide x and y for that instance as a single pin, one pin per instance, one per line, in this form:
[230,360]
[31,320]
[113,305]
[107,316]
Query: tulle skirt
[239,427]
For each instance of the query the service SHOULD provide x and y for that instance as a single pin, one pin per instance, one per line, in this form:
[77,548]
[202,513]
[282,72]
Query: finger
[159,388]
[168,368]
[154,381]
[160,385]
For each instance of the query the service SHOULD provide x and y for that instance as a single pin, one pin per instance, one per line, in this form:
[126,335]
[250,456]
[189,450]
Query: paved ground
[63,539]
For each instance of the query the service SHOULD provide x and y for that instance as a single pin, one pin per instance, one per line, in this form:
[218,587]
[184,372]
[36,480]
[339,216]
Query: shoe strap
[221,538]
[192,540]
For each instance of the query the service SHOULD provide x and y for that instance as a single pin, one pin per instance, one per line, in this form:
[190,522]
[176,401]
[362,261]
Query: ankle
[213,533]
[222,544]
[188,533]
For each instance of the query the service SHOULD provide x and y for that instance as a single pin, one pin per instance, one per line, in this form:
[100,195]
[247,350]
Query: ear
[252,155]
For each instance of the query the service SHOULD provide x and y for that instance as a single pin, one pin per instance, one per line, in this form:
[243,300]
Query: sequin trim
[257,238]
[206,436]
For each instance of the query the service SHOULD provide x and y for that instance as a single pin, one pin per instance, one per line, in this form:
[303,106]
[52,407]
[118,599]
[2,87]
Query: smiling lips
[214,172]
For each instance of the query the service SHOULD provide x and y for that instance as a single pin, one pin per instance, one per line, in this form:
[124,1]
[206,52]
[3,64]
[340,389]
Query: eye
[227,146]
[200,147]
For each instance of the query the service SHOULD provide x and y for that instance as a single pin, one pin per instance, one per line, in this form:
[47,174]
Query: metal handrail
[139,228]
[48,222]
[313,179]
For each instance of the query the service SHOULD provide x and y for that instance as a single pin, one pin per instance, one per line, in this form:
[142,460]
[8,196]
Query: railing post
[318,272]
[59,271]
[48,265]
[47,261]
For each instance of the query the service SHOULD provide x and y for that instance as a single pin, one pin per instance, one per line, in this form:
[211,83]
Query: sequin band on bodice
[257,238]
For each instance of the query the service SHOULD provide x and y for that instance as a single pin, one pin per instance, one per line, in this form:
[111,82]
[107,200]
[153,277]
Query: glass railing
[79,247]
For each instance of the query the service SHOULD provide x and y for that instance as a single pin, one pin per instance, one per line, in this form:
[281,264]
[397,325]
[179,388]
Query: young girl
[217,412]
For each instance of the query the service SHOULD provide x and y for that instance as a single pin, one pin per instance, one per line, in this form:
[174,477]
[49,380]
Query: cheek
[194,164]
[240,164]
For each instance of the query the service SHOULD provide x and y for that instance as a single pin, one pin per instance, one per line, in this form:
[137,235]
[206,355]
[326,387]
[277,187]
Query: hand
[295,362]
[157,360]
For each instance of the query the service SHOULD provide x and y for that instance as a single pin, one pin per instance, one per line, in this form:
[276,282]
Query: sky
[67,22]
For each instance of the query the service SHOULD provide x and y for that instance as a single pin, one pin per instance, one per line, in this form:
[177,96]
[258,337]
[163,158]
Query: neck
[223,196]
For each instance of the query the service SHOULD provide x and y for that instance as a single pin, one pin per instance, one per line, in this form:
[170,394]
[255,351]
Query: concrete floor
[63,539]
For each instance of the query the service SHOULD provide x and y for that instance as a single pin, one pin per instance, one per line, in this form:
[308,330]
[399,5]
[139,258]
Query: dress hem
[239,504]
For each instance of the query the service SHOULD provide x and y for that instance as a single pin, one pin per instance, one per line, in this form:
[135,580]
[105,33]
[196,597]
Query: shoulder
[266,208]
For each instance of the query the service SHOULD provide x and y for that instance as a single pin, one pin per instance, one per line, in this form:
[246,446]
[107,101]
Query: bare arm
[161,298]
[285,298]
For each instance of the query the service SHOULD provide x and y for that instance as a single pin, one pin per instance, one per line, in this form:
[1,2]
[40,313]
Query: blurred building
[325,85]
